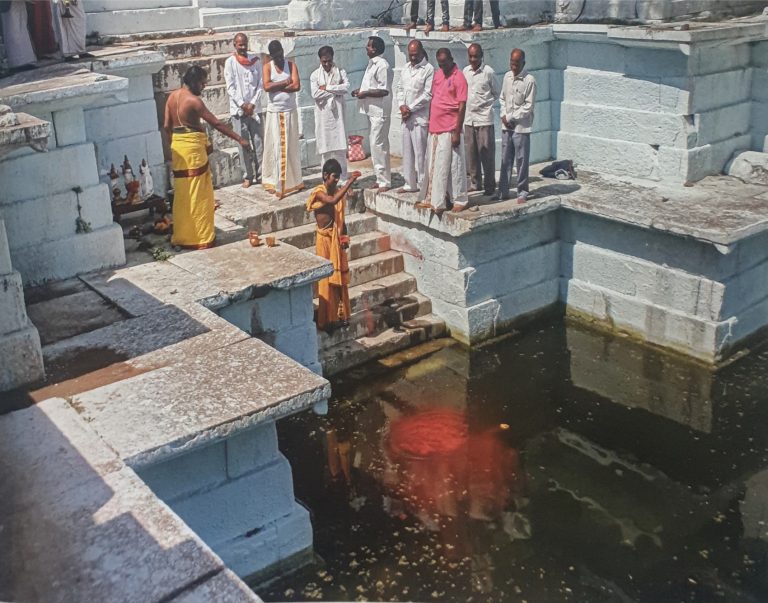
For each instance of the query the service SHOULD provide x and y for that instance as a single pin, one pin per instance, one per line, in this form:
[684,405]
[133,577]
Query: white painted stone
[13,315]
[750,167]
[760,126]
[251,449]
[723,123]
[52,217]
[121,121]
[721,89]
[611,156]
[143,20]
[63,258]
[183,476]
[53,172]
[744,290]
[707,58]
[69,126]
[301,305]
[140,146]
[5,253]
[610,57]
[22,358]
[298,343]
[239,505]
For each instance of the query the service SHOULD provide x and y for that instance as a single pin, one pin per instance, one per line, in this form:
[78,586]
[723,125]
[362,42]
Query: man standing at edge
[375,99]
[518,95]
[193,187]
[473,15]
[242,73]
[281,169]
[414,94]
[329,84]
[430,17]
[446,173]
[479,133]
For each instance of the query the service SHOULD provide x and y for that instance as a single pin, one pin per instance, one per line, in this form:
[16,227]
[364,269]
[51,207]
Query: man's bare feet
[374,186]
[384,189]
[423,205]
[216,204]
[246,183]
[459,208]
[477,27]
[460,28]
[427,28]
[445,27]
[409,27]
[407,190]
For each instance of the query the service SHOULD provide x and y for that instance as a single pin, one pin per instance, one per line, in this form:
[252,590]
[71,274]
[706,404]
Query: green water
[557,465]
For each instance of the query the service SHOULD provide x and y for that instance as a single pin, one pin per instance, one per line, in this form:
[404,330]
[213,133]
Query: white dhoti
[281,168]
[341,157]
[70,32]
[446,172]
[18,44]
[380,149]
[414,154]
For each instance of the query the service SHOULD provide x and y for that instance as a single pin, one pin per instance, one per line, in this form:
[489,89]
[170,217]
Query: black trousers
[430,18]
[476,7]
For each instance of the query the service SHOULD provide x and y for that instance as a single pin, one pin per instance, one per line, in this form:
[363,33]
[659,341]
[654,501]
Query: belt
[185,130]
[191,173]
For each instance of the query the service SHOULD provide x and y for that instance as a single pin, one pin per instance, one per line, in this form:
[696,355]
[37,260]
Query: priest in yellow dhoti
[327,202]
[193,202]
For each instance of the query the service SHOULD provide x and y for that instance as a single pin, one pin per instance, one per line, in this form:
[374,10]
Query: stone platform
[680,267]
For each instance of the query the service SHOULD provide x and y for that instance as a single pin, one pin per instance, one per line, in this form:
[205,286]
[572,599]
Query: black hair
[445,52]
[240,35]
[378,44]
[325,50]
[193,75]
[274,46]
[476,45]
[332,166]
[522,53]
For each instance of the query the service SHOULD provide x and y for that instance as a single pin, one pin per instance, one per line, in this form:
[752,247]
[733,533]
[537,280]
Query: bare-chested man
[193,202]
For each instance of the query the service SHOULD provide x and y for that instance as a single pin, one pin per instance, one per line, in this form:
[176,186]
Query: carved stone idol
[145,177]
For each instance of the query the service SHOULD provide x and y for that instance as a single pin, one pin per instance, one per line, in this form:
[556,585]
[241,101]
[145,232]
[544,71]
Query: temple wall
[760,97]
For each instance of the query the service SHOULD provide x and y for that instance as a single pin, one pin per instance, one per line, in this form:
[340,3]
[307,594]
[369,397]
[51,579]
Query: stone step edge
[365,349]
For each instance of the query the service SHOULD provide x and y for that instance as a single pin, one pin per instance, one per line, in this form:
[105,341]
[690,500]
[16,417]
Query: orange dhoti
[332,292]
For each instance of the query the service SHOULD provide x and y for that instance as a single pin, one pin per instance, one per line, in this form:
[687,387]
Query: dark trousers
[480,143]
[476,7]
[515,147]
[430,18]
[250,159]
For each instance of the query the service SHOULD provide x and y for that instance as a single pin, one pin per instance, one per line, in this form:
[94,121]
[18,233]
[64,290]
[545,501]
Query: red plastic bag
[355,151]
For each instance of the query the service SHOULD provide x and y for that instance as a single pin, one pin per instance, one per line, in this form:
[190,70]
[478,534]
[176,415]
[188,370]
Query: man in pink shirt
[446,173]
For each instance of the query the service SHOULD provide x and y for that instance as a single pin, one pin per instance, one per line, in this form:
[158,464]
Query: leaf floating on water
[289,592]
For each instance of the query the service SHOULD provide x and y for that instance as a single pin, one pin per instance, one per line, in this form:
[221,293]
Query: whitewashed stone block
[121,121]
[13,315]
[69,127]
[249,450]
[140,146]
[22,358]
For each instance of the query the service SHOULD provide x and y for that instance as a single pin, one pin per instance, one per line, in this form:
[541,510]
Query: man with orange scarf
[242,73]
[193,202]
[331,241]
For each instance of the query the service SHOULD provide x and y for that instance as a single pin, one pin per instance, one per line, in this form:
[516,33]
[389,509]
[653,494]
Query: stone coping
[27,131]
[58,87]
[720,210]
[221,393]
[76,524]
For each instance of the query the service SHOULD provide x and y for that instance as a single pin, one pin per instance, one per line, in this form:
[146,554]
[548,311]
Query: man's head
[475,55]
[375,46]
[326,57]
[331,173]
[445,60]
[415,52]
[517,61]
[275,50]
[241,44]
[194,79]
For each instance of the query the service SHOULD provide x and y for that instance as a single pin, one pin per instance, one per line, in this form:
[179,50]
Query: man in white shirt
[375,96]
[518,95]
[414,92]
[242,73]
[479,133]
[329,84]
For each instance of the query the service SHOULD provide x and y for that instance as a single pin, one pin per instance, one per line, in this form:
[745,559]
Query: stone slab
[224,587]
[22,358]
[12,313]
[239,271]
[78,525]
[221,393]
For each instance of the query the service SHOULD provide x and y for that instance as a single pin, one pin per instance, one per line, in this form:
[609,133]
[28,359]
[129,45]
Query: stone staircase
[145,18]
[388,313]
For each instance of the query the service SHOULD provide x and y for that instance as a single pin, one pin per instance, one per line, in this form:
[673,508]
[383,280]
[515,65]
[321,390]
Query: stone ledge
[84,526]
[251,383]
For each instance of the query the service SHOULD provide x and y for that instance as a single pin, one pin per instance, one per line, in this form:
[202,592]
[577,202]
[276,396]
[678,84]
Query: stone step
[367,244]
[219,140]
[374,293]
[374,267]
[169,77]
[248,209]
[105,6]
[243,17]
[225,167]
[369,322]
[358,351]
[303,236]
[195,47]
[215,98]
[133,21]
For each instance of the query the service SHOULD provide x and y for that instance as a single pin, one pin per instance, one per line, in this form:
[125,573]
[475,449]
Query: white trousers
[341,157]
[380,149]
[414,154]
[446,172]
[18,44]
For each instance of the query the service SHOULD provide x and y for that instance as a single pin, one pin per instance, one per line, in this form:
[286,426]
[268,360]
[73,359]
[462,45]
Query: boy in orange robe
[331,242]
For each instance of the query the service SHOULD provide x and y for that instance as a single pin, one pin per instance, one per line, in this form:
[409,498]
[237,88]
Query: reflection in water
[559,465]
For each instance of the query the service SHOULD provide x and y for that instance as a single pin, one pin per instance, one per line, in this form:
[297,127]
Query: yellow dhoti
[332,292]
[193,202]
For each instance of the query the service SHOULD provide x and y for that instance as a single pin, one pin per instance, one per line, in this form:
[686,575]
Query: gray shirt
[482,93]
[518,94]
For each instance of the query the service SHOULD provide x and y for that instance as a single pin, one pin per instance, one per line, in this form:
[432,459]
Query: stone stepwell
[388,312]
